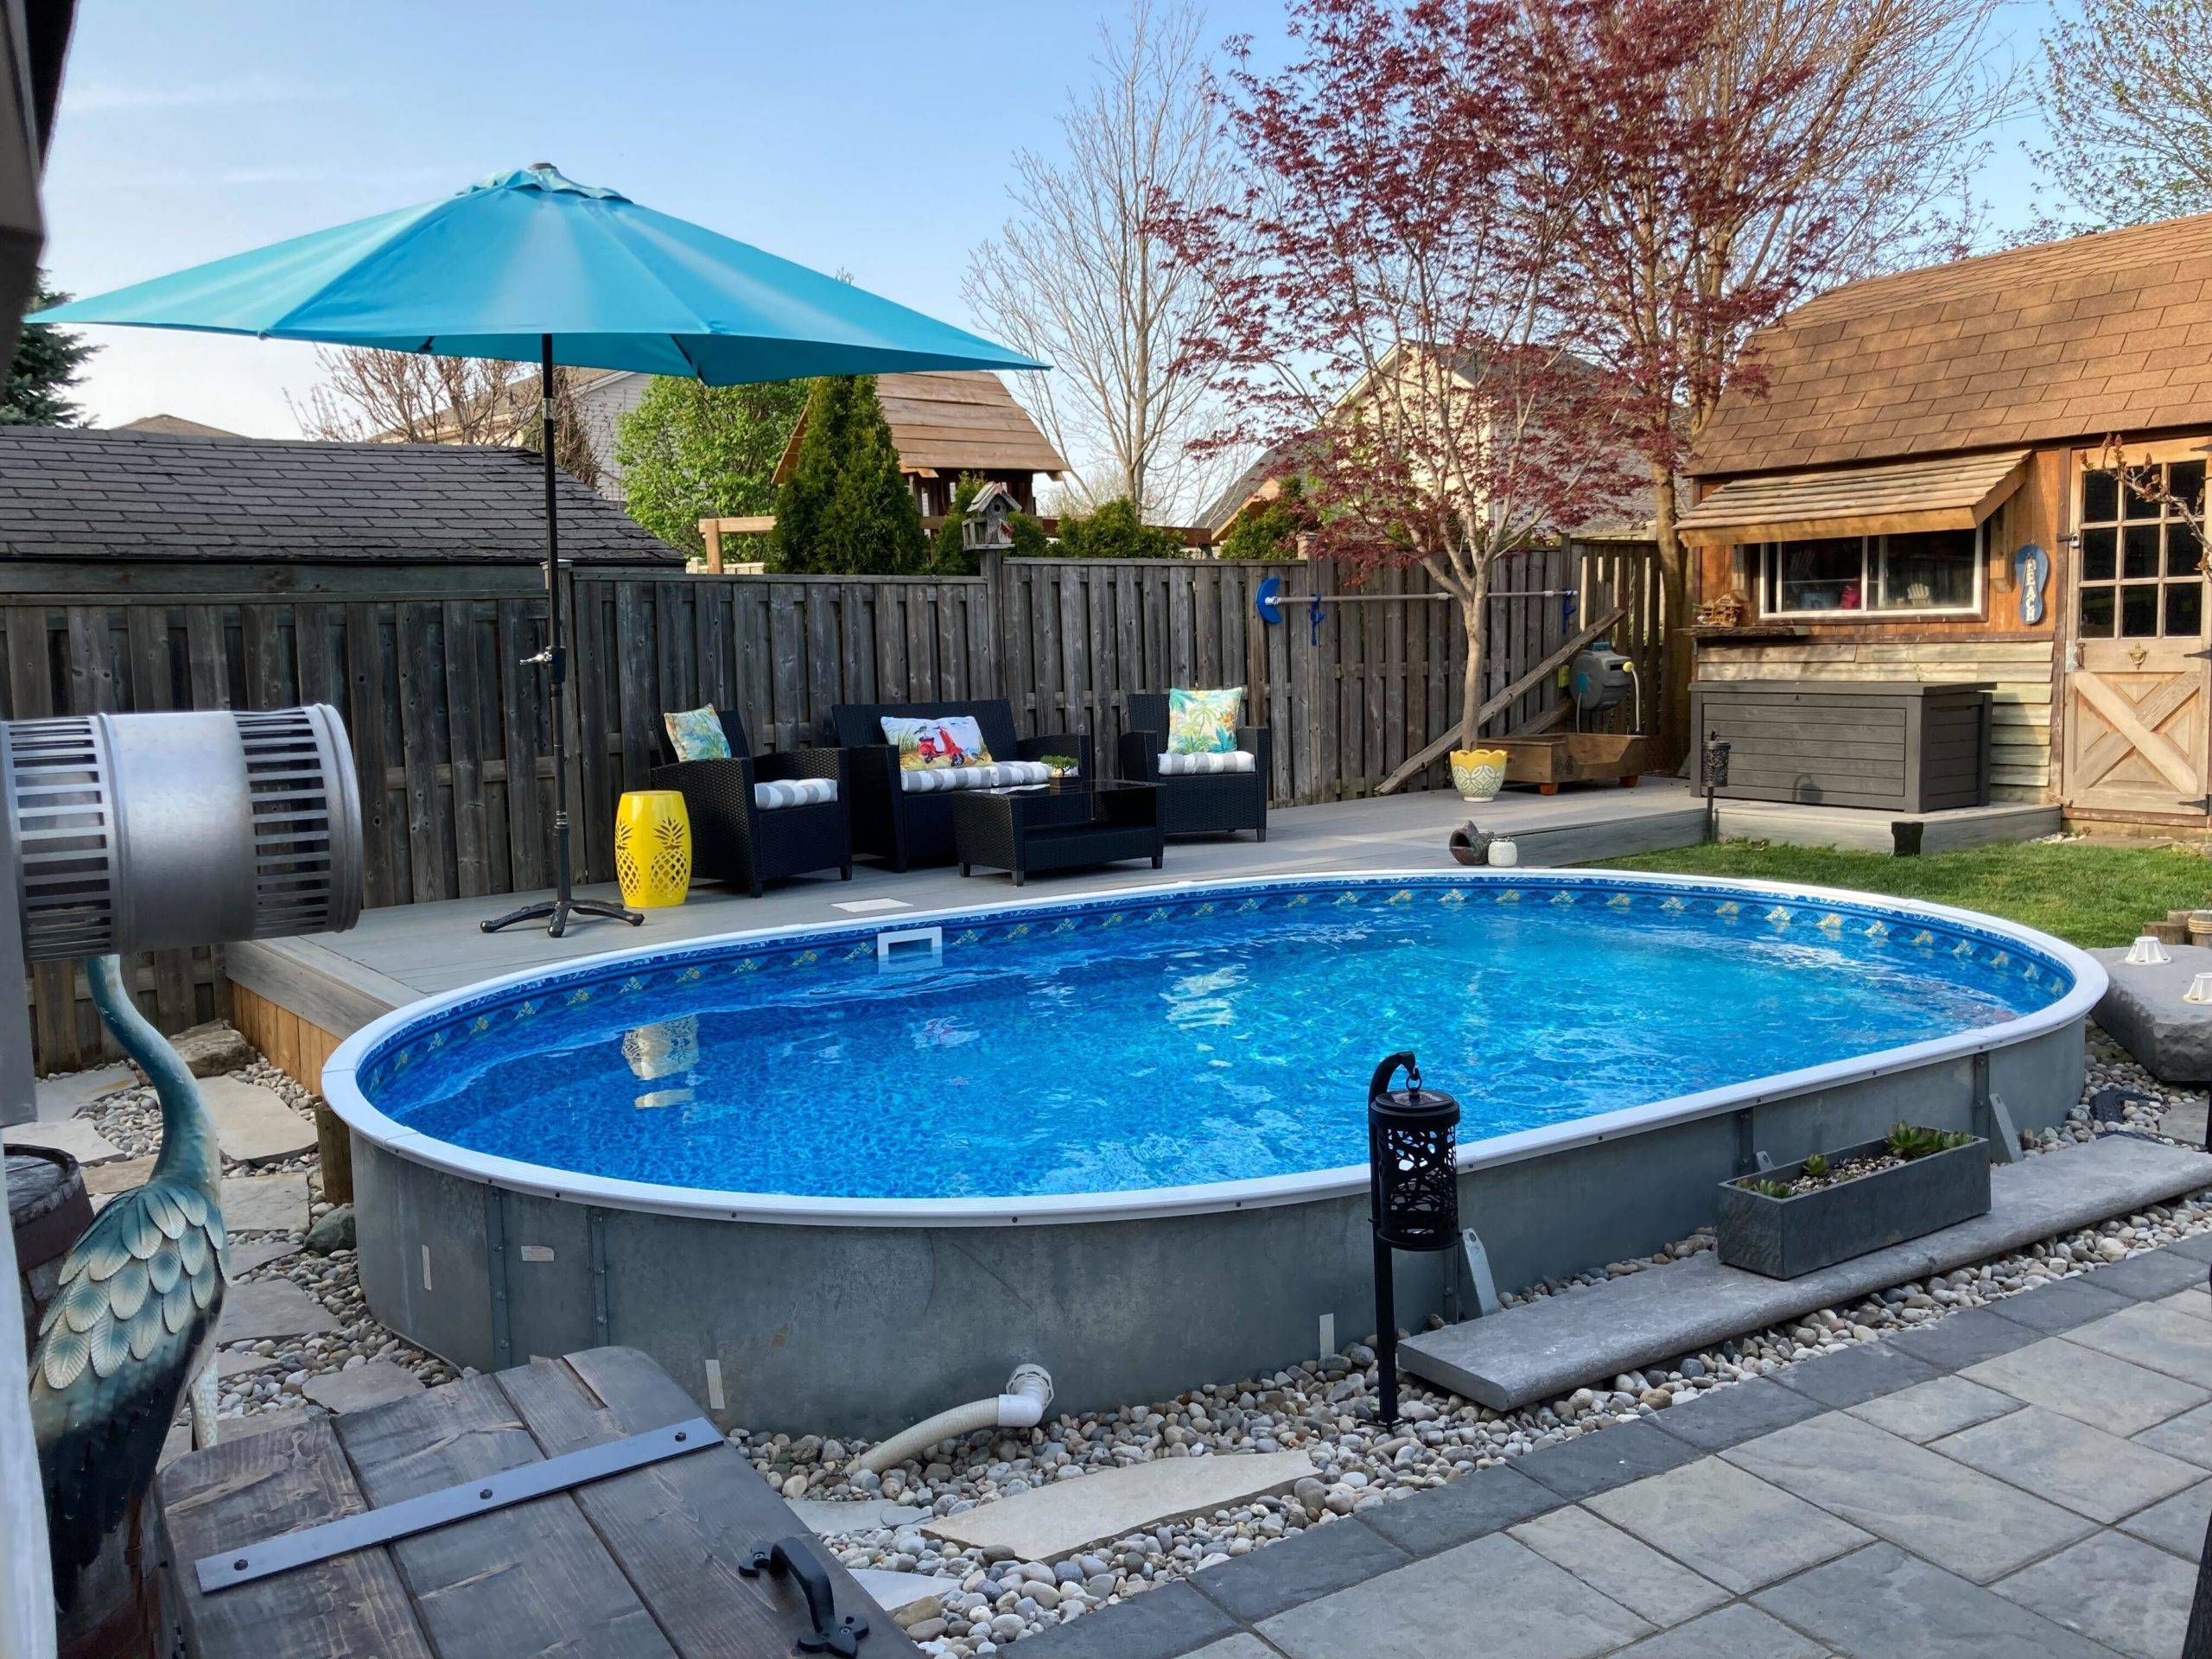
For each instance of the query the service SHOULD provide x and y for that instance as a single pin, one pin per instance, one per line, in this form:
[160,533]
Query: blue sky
[870,134]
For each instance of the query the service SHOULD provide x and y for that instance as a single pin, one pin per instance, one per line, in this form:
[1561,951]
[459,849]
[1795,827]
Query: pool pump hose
[1028,1391]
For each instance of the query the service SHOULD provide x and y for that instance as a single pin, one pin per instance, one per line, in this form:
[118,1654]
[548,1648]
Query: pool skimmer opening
[912,947]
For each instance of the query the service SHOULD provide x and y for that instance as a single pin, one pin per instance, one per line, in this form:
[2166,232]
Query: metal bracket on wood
[2004,1138]
[603,1304]
[1469,1287]
[495,1256]
[372,1528]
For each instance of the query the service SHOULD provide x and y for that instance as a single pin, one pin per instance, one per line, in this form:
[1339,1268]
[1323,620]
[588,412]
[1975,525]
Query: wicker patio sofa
[757,818]
[1197,802]
[907,826]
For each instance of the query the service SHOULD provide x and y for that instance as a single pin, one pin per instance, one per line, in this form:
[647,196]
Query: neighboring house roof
[1256,482]
[2066,341]
[77,494]
[174,426]
[958,421]
[1631,516]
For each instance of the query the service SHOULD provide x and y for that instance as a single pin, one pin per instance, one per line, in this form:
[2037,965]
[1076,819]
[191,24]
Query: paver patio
[1997,1490]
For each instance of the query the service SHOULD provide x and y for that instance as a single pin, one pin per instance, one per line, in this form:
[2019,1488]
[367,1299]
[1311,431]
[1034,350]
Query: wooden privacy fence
[451,732]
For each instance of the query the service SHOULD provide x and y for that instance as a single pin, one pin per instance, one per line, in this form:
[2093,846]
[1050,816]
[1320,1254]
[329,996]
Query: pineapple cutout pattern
[652,859]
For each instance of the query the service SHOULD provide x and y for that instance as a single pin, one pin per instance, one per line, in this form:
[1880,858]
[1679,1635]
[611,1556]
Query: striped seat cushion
[794,791]
[999,774]
[1197,766]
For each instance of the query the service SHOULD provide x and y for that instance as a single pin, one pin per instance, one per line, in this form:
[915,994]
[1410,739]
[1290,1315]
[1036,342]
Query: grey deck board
[1555,1345]
[399,954]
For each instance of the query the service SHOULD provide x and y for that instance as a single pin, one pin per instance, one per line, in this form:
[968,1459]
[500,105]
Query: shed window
[1925,572]
[2139,559]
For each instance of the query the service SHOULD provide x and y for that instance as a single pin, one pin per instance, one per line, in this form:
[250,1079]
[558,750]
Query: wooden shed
[955,422]
[1923,495]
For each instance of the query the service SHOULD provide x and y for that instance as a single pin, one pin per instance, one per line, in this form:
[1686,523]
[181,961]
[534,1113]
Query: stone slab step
[271,1308]
[836,1517]
[58,1098]
[1553,1345]
[1055,1521]
[252,1121]
[74,1135]
[259,1204]
[365,1385]
[895,1591]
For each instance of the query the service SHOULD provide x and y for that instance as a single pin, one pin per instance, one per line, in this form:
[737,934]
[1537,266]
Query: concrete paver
[2113,1589]
[1732,1527]
[2090,1386]
[1494,1596]
[1957,1517]
[2089,1471]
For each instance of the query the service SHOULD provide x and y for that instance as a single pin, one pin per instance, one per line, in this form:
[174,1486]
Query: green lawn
[2092,895]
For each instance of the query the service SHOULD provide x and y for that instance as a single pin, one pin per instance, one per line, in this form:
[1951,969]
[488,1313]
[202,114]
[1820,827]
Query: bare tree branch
[1079,278]
[372,397]
[2127,97]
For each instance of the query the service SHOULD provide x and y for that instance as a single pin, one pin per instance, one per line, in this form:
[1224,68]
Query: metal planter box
[1785,1238]
[1899,745]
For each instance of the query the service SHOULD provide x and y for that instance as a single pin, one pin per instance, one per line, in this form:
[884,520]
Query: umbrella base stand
[563,906]
[556,913]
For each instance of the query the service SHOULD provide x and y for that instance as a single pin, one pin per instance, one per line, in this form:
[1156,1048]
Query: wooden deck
[297,998]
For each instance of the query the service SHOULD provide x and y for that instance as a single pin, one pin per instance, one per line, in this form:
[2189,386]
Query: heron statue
[132,1322]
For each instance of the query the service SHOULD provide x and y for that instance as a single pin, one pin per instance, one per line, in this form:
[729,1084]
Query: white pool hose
[1028,1391]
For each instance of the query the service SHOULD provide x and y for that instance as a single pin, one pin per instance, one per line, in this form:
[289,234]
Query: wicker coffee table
[1074,826]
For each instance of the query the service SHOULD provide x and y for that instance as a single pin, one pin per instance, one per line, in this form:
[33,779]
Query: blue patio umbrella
[531,265]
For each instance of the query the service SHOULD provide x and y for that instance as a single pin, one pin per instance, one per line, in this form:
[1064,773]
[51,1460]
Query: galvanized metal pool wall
[806,1322]
[865,1329]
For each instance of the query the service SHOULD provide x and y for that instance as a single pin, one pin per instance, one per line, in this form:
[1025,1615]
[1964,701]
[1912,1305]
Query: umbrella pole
[556,912]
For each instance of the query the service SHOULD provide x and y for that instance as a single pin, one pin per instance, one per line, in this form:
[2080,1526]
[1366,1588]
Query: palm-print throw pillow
[1203,722]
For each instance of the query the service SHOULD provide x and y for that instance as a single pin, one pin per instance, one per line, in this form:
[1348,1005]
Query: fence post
[992,567]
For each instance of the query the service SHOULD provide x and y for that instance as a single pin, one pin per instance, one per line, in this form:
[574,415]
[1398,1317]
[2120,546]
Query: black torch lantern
[1713,768]
[1413,1193]
[1712,772]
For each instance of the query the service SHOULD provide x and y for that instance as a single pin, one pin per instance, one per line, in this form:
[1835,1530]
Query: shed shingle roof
[67,492]
[953,421]
[2065,341]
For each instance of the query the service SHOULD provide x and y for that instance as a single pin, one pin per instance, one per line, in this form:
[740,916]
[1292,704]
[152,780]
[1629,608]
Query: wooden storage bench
[1898,746]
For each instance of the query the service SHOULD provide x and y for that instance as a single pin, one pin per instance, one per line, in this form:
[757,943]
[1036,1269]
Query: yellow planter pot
[652,848]
[1477,773]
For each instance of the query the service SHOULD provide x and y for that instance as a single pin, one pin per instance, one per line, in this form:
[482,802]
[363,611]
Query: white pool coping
[342,1091]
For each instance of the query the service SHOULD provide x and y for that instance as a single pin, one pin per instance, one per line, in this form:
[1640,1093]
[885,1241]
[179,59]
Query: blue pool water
[1146,1042]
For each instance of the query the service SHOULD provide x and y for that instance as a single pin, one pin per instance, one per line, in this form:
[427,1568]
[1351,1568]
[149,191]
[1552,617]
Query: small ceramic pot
[1503,854]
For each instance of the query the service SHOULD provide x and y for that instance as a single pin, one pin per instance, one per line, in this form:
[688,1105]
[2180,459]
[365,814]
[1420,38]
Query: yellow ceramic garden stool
[653,848]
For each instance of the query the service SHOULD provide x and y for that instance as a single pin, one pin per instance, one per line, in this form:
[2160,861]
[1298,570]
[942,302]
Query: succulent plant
[1912,1141]
[1817,1165]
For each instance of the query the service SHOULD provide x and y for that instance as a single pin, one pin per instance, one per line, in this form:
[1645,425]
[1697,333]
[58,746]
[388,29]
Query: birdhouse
[988,525]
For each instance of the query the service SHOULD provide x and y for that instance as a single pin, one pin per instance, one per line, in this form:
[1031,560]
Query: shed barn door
[2135,727]
[2138,681]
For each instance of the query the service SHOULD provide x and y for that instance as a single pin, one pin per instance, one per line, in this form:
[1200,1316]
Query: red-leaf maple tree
[1399,323]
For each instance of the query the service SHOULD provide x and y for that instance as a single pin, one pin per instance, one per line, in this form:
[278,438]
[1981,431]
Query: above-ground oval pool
[841,1177]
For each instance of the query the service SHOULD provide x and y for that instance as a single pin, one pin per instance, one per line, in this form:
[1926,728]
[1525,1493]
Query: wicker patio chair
[908,827]
[1210,803]
[735,838]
